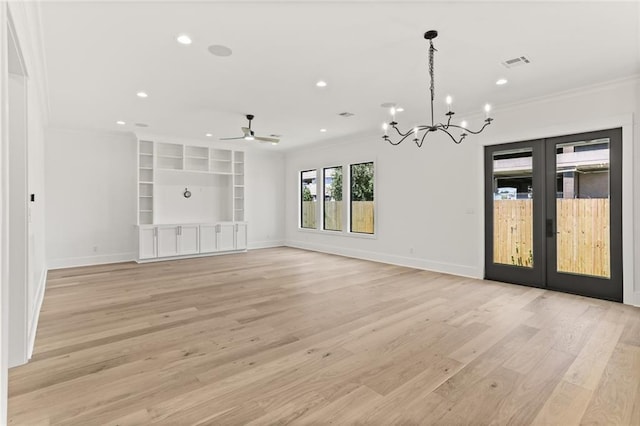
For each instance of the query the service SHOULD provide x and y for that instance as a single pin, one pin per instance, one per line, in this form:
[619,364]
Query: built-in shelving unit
[196,158]
[145,182]
[220,161]
[170,156]
[209,220]
[238,186]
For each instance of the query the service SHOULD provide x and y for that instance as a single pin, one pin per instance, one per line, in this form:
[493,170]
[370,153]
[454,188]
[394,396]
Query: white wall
[91,197]
[26,31]
[264,198]
[4,240]
[430,200]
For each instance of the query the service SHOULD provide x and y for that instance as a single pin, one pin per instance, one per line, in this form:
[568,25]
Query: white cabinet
[226,237]
[208,235]
[147,243]
[188,239]
[241,236]
[167,241]
[170,241]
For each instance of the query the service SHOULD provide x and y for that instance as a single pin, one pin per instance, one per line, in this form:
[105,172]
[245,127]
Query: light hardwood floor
[283,335]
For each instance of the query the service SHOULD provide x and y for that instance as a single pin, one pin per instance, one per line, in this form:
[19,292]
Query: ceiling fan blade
[231,139]
[263,139]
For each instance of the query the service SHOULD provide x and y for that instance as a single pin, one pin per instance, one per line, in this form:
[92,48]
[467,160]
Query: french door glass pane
[513,207]
[332,198]
[308,199]
[582,208]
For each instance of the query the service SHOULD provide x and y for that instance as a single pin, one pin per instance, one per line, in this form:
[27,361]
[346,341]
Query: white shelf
[215,173]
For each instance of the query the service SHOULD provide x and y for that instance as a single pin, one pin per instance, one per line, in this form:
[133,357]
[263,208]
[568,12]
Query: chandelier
[421,131]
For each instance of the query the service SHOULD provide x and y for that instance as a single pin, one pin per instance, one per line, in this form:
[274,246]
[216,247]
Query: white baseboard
[91,260]
[265,244]
[42,284]
[411,262]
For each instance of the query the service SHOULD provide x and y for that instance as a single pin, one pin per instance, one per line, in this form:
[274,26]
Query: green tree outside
[362,182]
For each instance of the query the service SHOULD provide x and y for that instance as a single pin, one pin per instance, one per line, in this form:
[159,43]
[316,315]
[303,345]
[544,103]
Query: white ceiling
[98,55]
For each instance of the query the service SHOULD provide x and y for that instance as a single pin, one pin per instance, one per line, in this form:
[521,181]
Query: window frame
[324,198]
[350,208]
[346,197]
[301,199]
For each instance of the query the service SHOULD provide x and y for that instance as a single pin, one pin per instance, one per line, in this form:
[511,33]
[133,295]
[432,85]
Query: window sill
[339,233]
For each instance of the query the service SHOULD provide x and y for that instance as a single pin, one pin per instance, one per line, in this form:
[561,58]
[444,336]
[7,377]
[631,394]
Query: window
[362,203]
[308,198]
[332,190]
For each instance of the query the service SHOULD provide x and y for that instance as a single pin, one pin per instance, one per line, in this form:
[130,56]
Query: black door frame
[592,286]
[544,227]
[534,276]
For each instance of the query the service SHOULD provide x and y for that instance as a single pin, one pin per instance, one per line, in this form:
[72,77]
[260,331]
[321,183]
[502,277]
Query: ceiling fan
[249,135]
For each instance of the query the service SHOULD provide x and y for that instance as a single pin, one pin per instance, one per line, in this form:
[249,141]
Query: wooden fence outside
[309,214]
[333,215]
[361,215]
[583,235]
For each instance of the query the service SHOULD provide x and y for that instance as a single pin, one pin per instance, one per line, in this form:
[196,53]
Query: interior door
[553,213]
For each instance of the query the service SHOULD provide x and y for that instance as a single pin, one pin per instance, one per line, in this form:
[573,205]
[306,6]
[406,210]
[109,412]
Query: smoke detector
[516,62]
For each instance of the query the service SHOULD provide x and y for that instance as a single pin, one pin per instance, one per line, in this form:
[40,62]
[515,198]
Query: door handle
[549,228]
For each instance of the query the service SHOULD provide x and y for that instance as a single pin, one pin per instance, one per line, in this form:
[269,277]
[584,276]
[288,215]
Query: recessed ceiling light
[274,143]
[208,135]
[142,94]
[120,122]
[184,39]
[321,83]
[219,50]
[399,109]
[323,130]
[501,81]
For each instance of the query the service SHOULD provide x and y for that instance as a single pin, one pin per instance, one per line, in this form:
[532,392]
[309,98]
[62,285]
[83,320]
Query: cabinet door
[226,237]
[167,241]
[241,236]
[188,239]
[207,238]
[147,243]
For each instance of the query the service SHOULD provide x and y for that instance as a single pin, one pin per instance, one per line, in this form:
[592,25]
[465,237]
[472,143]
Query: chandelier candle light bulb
[425,129]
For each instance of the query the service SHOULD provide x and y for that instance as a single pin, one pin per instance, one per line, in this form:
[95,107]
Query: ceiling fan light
[249,138]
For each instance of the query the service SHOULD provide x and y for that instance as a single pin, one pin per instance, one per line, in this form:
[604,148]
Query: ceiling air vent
[346,114]
[516,62]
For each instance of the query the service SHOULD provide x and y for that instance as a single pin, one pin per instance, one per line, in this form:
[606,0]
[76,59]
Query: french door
[553,213]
